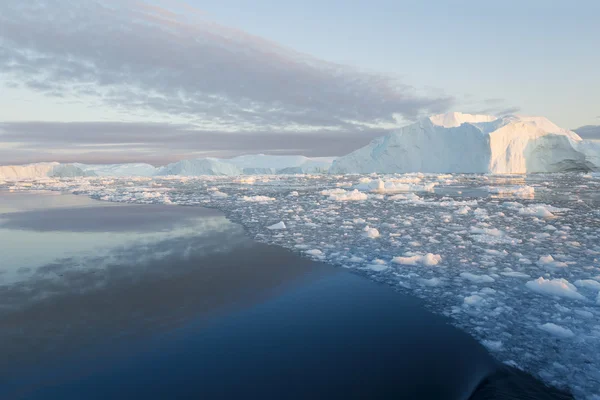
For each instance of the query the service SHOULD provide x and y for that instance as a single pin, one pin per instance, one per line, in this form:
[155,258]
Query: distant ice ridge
[465,143]
[256,164]
[40,170]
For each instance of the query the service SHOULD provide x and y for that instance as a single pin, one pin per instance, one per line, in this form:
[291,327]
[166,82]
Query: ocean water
[103,300]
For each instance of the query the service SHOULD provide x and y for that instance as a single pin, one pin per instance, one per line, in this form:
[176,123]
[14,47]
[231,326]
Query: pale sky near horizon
[107,80]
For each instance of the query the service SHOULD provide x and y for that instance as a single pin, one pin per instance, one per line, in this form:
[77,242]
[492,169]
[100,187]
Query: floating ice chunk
[493,345]
[428,259]
[257,199]
[354,195]
[474,300]
[330,192]
[463,210]
[555,287]
[515,274]
[277,226]
[294,194]
[487,231]
[219,194]
[395,186]
[433,282]
[377,265]
[356,259]
[584,313]
[408,197]
[494,252]
[541,211]
[557,330]
[314,252]
[371,232]
[548,261]
[587,283]
[477,278]
[523,192]
[487,290]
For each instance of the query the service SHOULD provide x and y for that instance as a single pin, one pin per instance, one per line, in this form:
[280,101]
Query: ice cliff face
[464,143]
[51,169]
[201,166]
[253,164]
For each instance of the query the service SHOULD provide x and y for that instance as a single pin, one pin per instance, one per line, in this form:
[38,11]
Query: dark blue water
[203,312]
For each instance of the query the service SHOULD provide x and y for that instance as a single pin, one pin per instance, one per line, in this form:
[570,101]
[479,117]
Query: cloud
[134,56]
[490,106]
[589,132]
[160,143]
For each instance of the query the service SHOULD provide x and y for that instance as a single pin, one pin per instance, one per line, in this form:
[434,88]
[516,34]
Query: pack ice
[465,143]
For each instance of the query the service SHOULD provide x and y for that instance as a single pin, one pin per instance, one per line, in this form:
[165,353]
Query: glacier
[465,143]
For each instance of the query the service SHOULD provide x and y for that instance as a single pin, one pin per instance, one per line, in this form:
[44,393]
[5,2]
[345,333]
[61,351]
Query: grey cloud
[589,132]
[136,56]
[498,110]
[160,143]
[507,111]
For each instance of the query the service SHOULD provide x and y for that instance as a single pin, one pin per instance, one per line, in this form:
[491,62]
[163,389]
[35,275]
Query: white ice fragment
[474,300]
[377,265]
[428,259]
[219,194]
[330,192]
[548,261]
[523,192]
[557,330]
[354,195]
[587,283]
[257,199]
[477,278]
[515,274]
[554,287]
[371,232]
[493,345]
[541,211]
[433,282]
[277,226]
[314,252]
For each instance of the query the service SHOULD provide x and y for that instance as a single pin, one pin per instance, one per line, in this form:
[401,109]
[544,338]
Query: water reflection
[91,234]
[135,278]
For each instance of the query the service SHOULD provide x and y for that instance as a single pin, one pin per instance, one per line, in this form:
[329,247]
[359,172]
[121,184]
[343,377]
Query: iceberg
[198,167]
[42,170]
[254,164]
[119,170]
[465,143]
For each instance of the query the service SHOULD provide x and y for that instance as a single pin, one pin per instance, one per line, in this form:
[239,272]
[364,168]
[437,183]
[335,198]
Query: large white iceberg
[464,143]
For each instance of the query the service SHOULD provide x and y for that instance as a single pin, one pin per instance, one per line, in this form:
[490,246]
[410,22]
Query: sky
[161,80]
